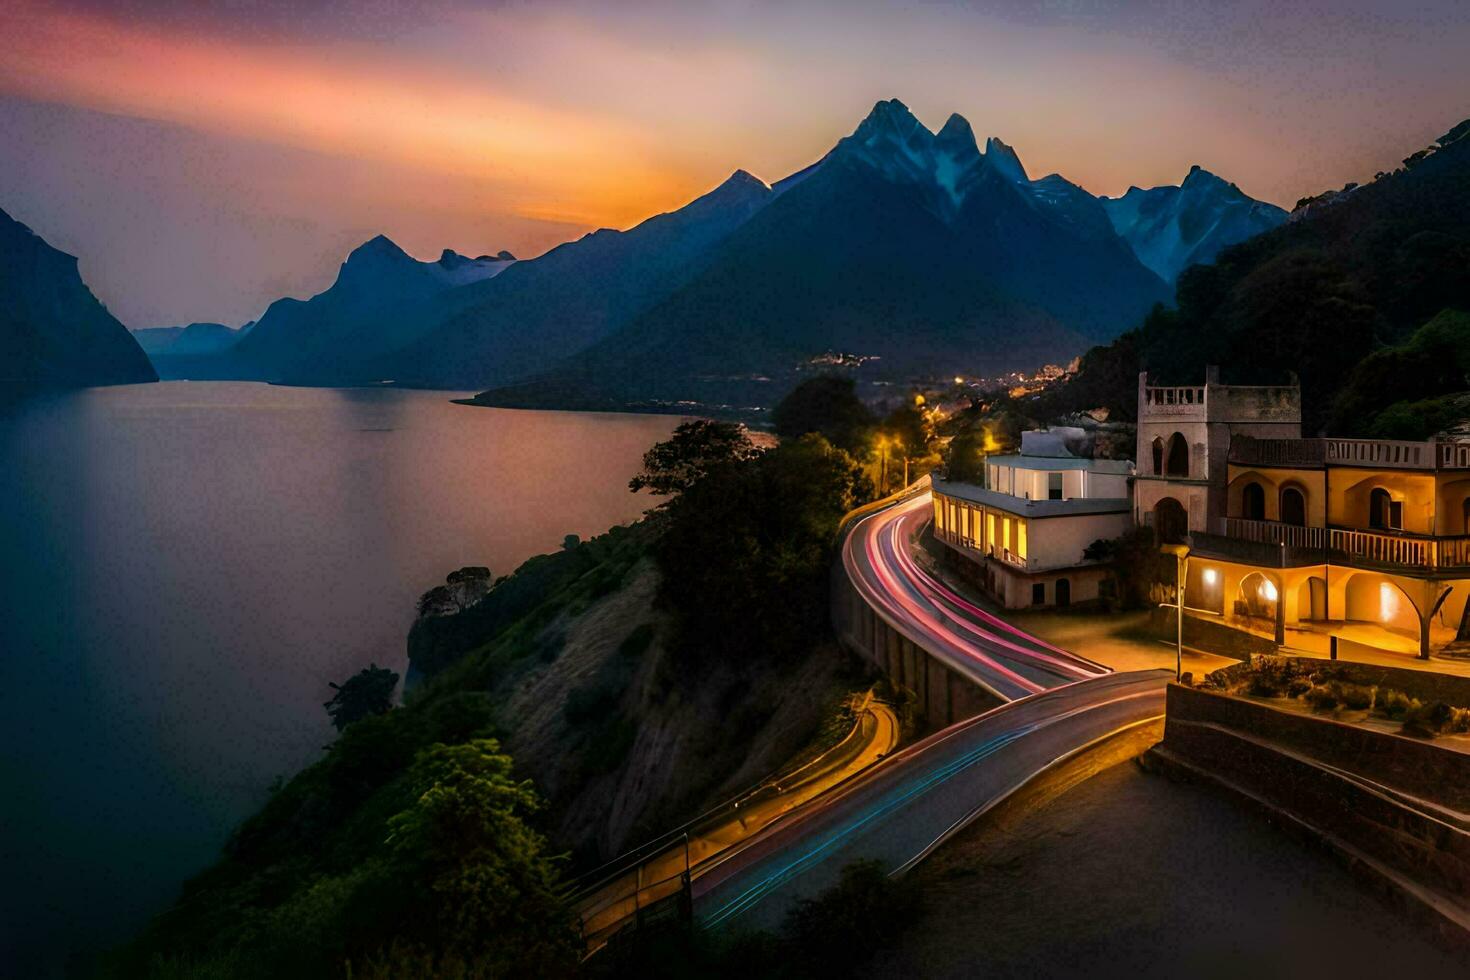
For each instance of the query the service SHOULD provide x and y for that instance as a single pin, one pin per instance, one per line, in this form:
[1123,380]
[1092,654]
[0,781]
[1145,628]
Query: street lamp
[1181,573]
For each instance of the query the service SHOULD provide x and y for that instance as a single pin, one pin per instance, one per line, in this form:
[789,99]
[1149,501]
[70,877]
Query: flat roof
[1021,507]
[1119,467]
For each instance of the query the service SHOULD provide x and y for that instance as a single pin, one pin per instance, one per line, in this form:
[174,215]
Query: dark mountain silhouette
[902,244]
[53,331]
[196,338]
[1172,228]
[377,304]
[575,294]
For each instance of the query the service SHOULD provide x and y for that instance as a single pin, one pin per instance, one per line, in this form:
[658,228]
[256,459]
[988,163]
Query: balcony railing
[1389,454]
[1271,532]
[1369,547]
[1349,546]
[1454,455]
[1249,451]
[1187,400]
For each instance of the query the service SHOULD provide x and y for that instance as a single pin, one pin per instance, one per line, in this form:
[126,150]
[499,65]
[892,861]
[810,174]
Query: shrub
[1275,677]
[1340,694]
[1437,718]
[1397,705]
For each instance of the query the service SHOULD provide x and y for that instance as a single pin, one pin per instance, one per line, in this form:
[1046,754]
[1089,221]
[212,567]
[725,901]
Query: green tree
[966,456]
[673,466]
[368,692]
[746,553]
[475,882]
[828,405]
[909,428]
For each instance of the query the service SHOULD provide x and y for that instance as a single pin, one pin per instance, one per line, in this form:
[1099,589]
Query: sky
[202,159]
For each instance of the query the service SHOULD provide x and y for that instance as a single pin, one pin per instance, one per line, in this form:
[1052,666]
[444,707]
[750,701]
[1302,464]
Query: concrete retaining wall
[941,696]
[1392,807]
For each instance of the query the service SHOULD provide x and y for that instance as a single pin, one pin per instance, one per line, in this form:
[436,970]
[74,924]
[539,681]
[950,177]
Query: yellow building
[1364,540]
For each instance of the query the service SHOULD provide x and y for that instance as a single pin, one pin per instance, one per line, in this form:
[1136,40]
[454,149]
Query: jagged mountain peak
[1199,177]
[957,131]
[1003,159]
[889,118]
[741,177]
[376,250]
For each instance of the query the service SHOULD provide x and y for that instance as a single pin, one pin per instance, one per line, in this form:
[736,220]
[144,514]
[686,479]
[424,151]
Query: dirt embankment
[626,743]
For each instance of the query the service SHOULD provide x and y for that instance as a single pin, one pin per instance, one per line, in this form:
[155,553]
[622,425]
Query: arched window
[1158,456]
[1178,463]
[1171,521]
[1382,511]
[1293,507]
[1253,502]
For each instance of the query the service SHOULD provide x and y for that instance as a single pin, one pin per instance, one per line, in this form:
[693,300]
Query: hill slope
[53,331]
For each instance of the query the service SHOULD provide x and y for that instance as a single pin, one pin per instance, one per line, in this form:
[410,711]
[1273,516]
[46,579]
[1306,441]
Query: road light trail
[899,811]
[614,902]
[998,656]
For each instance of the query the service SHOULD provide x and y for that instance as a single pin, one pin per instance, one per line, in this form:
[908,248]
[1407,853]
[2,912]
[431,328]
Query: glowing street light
[1181,559]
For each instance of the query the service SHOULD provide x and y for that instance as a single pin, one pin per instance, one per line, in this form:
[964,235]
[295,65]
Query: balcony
[1388,454]
[1301,453]
[1348,546]
[1186,402]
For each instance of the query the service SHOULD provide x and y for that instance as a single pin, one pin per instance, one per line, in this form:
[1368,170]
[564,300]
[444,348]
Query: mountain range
[913,251]
[53,331]
[1173,228]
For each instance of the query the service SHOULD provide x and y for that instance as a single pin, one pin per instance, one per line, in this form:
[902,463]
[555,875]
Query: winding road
[616,898]
[1003,659]
[895,809]
[896,813]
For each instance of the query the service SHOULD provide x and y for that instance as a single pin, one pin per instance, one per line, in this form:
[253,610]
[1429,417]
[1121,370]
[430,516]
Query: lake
[187,565]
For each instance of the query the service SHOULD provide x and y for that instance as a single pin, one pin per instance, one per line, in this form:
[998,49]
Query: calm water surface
[185,568]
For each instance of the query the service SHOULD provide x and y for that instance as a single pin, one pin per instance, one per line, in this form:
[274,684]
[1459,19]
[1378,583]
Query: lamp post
[1181,574]
[883,456]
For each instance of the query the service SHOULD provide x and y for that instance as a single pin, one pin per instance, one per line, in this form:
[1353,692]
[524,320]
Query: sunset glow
[447,125]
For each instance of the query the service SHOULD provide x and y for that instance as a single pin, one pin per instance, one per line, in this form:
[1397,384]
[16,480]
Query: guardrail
[1313,545]
[624,892]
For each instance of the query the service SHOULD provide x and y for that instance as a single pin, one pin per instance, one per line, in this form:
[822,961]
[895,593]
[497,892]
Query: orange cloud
[551,163]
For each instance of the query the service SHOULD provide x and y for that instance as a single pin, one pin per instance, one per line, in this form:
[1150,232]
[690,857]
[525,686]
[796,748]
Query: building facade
[1026,529]
[1365,540]
[1316,541]
[1184,436]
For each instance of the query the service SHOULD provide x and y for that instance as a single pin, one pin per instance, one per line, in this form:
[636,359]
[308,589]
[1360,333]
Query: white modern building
[1027,528]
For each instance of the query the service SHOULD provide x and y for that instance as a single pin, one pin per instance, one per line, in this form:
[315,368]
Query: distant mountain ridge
[916,249]
[196,338]
[1171,228]
[53,331]
[373,306]
[903,244]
